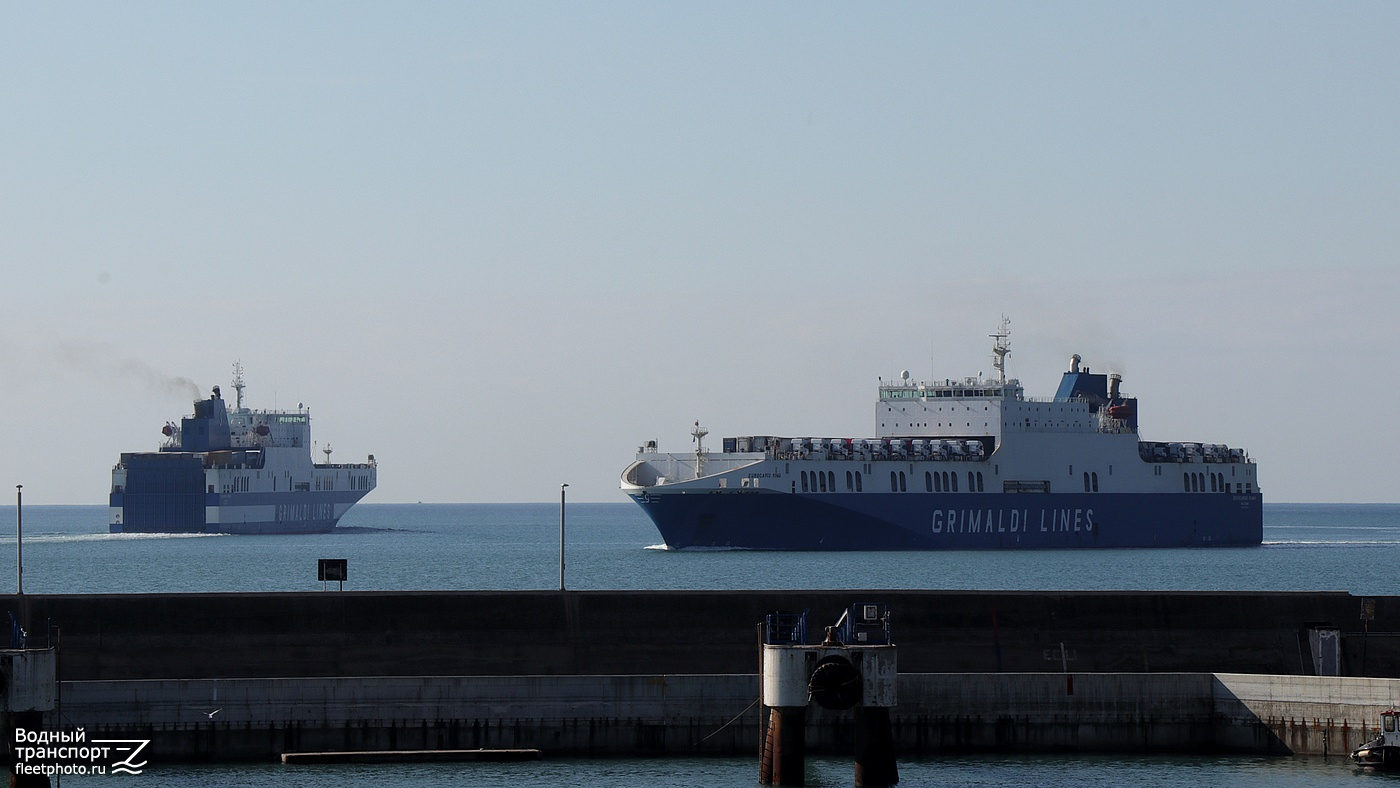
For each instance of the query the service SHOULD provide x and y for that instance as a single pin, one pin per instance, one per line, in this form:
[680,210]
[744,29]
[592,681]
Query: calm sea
[613,546]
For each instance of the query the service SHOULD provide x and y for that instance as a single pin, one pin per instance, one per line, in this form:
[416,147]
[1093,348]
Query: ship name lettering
[976,521]
[293,512]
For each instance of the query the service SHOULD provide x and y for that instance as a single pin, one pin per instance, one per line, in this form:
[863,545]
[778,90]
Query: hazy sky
[500,245]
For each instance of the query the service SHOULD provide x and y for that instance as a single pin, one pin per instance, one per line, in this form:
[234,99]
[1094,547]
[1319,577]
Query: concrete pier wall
[229,676]
[718,714]
[151,636]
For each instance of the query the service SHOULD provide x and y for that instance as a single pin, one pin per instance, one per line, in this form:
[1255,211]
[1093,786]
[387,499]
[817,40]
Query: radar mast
[238,385]
[1001,348]
[698,434]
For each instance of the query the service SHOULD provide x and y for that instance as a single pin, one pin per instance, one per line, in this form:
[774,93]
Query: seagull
[211,714]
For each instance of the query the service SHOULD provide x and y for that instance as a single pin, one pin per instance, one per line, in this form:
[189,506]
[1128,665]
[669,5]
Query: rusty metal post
[875,761]
[765,754]
[785,748]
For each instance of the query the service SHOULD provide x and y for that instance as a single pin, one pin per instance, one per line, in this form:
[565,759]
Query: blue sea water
[960,772]
[612,546]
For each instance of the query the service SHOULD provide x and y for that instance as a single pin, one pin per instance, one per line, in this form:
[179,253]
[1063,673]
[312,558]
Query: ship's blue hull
[767,520]
[303,512]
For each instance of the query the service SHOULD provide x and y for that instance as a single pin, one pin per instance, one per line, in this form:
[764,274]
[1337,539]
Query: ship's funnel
[208,429]
[1113,381]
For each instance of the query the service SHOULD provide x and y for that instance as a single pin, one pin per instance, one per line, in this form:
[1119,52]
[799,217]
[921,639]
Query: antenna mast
[699,434]
[238,384]
[1001,348]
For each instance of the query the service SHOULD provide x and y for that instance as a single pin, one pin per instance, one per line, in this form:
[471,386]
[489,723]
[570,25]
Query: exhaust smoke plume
[170,384]
[95,358]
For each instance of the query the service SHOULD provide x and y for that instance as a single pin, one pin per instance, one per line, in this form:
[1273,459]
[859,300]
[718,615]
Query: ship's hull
[239,513]
[773,520]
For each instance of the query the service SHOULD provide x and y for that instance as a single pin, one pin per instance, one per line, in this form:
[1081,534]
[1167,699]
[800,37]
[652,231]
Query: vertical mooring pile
[853,668]
[28,683]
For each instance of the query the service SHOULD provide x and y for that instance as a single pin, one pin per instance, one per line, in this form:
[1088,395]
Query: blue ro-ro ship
[238,471]
[959,464]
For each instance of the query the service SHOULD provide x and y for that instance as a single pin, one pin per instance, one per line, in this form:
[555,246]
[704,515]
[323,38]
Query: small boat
[1383,752]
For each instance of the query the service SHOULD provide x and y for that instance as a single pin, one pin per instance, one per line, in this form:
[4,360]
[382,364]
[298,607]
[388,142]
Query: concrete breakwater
[235,676]
[158,636]
[592,716]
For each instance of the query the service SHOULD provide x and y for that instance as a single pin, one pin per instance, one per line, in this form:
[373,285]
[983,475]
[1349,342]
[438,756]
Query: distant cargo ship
[236,472]
[959,464]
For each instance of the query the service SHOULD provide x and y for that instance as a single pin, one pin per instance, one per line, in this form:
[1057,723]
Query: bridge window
[1186,481]
[850,485]
[821,479]
[858,489]
[1095,477]
[901,482]
[831,480]
[804,481]
[938,482]
[894,482]
[980,488]
[954,478]
[928,482]
[1086,481]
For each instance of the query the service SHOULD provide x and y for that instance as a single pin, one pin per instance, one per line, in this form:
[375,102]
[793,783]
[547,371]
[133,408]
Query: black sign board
[332,570]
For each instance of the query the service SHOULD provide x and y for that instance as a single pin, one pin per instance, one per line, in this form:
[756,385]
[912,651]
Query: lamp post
[561,535]
[19,538]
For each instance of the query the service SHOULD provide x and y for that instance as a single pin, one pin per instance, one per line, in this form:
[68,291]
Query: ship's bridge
[271,428]
[970,407]
[977,407]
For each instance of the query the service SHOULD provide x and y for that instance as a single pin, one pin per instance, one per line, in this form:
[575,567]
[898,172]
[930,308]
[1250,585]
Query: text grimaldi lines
[1011,521]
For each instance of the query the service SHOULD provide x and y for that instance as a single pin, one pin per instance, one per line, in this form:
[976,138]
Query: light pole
[19,538]
[561,535]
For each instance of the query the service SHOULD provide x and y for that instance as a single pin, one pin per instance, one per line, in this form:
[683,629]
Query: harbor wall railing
[681,715]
